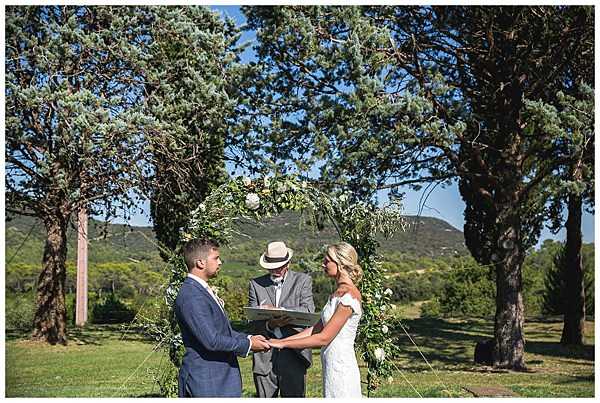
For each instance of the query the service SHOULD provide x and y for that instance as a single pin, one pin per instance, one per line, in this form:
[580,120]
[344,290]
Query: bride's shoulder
[352,291]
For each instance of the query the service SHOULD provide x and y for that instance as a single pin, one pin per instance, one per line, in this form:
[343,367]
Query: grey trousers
[287,379]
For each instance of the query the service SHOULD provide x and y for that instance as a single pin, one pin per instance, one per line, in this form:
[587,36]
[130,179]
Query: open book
[298,318]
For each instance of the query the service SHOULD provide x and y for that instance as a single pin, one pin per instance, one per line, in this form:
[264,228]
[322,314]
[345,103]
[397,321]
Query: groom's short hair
[197,249]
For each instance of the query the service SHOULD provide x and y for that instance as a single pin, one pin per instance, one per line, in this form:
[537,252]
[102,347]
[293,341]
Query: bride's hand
[274,343]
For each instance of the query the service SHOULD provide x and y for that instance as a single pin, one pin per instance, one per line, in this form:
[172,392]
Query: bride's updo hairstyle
[346,258]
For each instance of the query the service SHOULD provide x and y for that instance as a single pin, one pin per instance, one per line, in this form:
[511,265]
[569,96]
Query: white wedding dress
[341,377]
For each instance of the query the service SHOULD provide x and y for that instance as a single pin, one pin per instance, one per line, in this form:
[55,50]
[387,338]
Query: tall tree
[192,75]
[74,132]
[572,186]
[388,96]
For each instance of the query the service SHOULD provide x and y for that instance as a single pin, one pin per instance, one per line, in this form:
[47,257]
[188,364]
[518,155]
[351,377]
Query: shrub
[19,311]
[431,309]
[111,310]
[469,291]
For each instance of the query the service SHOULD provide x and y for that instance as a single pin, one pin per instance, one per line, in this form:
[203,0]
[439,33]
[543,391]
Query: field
[106,361]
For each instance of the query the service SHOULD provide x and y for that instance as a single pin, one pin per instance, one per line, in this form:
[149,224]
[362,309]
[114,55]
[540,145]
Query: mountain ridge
[25,237]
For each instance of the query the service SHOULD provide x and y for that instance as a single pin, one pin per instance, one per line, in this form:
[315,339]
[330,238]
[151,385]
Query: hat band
[276,259]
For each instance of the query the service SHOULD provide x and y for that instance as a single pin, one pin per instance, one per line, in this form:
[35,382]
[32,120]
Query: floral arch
[356,223]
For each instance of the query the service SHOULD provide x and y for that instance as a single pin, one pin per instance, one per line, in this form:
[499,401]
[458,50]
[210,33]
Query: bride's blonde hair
[346,258]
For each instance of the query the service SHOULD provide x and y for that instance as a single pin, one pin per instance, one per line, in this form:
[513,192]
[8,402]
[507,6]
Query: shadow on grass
[442,340]
[551,349]
[91,334]
[453,342]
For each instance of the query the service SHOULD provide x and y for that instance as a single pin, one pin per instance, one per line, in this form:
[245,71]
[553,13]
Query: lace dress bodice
[341,377]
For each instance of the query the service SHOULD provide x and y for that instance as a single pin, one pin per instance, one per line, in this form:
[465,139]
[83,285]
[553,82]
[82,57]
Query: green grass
[102,361]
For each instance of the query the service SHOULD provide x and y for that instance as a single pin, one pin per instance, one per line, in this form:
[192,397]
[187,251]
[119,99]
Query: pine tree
[389,96]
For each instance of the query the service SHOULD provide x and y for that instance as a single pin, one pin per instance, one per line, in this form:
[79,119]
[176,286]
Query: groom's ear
[200,263]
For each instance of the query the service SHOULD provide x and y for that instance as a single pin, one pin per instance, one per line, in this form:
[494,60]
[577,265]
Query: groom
[280,371]
[209,367]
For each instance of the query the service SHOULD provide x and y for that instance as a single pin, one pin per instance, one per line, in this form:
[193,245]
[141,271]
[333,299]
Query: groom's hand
[259,343]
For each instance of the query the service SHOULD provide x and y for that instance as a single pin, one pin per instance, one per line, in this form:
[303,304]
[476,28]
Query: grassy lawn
[103,361]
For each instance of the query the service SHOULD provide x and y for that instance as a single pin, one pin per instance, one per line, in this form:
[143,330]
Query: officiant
[280,372]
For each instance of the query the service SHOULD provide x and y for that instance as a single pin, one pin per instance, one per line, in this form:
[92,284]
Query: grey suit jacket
[296,294]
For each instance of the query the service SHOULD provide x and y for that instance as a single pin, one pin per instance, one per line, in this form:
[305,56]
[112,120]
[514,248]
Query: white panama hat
[276,256]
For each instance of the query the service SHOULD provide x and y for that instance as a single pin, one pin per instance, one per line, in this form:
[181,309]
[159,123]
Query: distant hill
[25,238]
[425,236]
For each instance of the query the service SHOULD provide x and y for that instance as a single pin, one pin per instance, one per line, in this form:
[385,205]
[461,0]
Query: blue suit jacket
[209,367]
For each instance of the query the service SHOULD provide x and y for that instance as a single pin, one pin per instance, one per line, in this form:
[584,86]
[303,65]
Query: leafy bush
[111,310]
[469,291]
[19,310]
[234,294]
[431,309]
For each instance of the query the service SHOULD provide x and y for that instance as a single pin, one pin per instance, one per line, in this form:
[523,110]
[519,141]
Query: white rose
[384,329]
[388,292]
[246,181]
[379,354]
[252,201]
[281,188]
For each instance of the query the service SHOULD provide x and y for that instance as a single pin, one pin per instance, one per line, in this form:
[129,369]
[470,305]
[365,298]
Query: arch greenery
[356,223]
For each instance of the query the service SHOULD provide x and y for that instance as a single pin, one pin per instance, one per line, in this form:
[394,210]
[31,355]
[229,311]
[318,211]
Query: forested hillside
[425,236]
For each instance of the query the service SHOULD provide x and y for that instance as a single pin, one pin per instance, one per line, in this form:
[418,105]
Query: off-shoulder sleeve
[349,300]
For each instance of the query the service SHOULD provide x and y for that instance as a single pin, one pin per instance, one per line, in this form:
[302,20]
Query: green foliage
[468,292]
[111,310]
[431,309]
[74,123]
[19,310]
[554,295]
[193,73]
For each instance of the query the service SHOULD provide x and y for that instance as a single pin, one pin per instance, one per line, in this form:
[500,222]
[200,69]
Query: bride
[336,330]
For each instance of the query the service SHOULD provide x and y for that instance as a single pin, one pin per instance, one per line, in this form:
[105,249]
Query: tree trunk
[574,317]
[509,344]
[50,318]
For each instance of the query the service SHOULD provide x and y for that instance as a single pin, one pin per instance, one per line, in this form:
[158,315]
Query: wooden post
[82,260]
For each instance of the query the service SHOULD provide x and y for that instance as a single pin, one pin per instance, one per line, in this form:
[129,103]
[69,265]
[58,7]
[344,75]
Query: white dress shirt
[278,287]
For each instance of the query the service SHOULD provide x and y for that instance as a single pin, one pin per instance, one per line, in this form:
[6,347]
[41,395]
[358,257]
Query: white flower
[390,379]
[377,295]
[252,201]
[379,354]
[304,184]
[384,329]
[383,308]
[202,207]
[246,181]
[281,188]
[388,292]
[266,181]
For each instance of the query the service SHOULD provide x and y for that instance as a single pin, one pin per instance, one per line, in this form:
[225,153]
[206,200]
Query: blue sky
[443,203]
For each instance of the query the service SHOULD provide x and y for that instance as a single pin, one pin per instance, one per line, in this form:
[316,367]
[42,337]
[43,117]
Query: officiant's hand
[279,321]
[259,343]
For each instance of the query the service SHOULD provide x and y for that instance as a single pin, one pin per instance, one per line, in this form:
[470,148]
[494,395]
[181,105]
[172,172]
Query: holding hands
[259,343]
